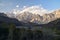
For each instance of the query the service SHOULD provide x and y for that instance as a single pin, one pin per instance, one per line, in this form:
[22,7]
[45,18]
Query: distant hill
[5,19]
[53,24]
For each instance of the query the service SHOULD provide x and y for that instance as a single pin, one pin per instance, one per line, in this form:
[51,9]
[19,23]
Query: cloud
[24,7]
[17,6]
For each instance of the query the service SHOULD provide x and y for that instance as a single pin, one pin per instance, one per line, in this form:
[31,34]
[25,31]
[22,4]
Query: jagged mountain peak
[32,9]
[35,10]
[57,13]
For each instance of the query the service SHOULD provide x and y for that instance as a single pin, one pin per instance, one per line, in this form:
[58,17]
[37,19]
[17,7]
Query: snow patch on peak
[16,11]
[35,10]
[32,9]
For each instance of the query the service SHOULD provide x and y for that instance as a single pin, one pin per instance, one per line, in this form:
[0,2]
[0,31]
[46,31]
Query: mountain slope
[7,20]
[53,24]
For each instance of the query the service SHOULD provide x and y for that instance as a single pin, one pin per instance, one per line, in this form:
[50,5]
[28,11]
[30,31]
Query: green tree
[4,25]
[11,31]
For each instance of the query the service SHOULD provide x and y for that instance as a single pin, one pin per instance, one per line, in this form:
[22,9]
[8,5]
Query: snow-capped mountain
[35,14]
[36,18]
[29,17]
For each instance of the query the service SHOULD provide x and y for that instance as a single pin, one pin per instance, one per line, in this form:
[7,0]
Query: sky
[8,5]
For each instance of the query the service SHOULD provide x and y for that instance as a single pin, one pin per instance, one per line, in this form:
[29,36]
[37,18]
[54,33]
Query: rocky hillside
[36,18]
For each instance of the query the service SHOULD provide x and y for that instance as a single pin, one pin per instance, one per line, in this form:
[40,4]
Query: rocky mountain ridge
[36,18]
